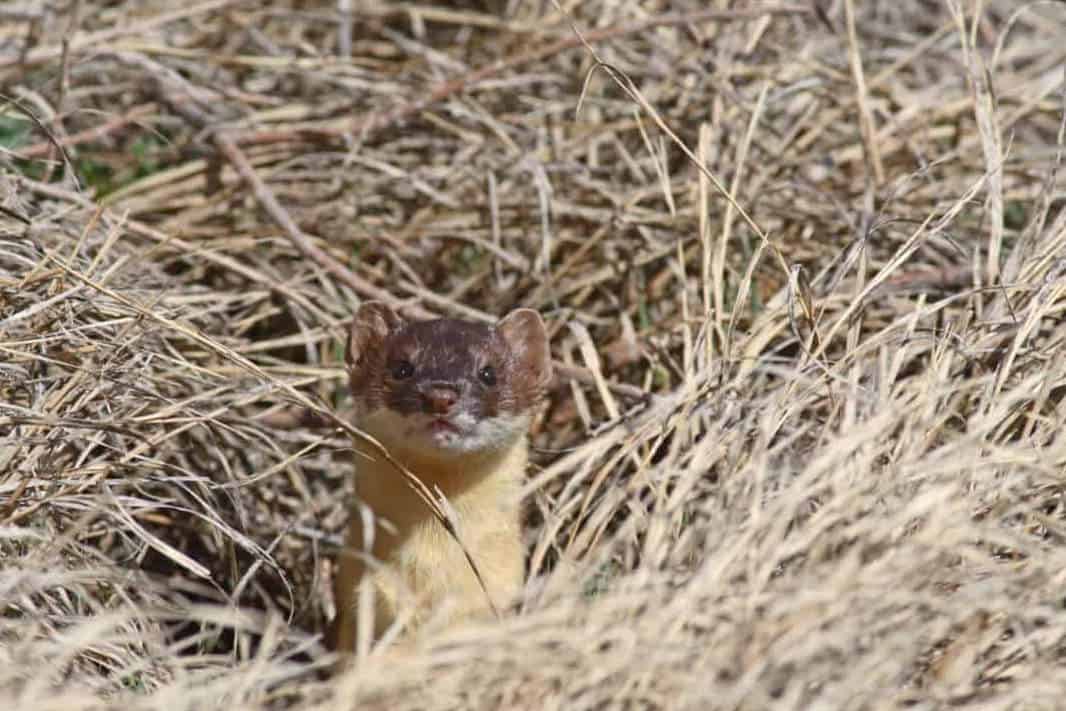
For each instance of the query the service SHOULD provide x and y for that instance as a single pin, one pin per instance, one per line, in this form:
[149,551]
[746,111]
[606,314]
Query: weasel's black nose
[439,399]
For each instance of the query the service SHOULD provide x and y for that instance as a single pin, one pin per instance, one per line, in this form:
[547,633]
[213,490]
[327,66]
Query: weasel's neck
[468,481]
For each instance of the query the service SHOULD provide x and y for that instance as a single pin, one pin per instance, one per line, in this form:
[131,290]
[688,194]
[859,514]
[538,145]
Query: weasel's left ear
[524,332]
[373,323]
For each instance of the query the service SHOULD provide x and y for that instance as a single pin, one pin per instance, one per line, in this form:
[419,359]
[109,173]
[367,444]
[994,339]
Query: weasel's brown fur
[450,400]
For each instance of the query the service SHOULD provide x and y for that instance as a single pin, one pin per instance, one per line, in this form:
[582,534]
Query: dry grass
[845,489]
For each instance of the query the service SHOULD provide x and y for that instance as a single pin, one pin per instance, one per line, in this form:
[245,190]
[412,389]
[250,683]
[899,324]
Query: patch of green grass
[106,177]
[1015,216]
[600,581]
[95,174]
[471,259]
[135,683]
[14,131]
[146,150]
[660,376]
[95,170]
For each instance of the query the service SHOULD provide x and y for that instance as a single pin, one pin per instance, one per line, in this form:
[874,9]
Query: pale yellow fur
[414,560]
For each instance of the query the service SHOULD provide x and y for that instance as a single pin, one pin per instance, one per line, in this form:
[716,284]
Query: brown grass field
[804,267]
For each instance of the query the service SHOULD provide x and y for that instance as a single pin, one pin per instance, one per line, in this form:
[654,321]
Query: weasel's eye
[487,374]
[401,370]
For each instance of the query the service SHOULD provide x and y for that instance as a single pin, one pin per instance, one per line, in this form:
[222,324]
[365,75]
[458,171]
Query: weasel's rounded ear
[526,336]
[373,323]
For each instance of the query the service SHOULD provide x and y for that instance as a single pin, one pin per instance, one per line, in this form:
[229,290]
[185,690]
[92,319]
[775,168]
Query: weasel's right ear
[525,334]
[373,323]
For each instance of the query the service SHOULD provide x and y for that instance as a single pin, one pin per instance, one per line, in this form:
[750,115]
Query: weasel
[452,401]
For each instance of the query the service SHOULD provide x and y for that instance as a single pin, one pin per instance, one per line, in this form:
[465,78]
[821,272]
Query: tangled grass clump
[803,268]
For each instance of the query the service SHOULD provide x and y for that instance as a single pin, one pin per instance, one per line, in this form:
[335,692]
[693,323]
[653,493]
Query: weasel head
[446,388]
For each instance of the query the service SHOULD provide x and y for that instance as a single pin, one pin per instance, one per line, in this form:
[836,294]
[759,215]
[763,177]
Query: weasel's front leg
[345,580]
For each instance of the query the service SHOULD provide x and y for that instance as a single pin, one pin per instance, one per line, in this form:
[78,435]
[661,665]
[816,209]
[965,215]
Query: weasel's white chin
[457,434]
